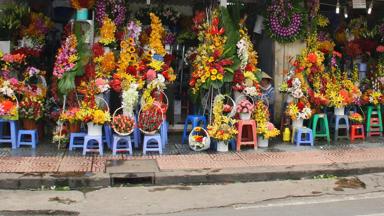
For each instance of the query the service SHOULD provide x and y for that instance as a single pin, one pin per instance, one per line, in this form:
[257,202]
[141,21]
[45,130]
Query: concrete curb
[171,177]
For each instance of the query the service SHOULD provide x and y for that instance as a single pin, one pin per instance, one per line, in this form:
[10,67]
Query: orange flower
[312,58]
[8,105]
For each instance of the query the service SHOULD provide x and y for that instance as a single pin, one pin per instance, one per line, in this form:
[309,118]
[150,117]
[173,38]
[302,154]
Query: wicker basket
[233,111]
[150,132]
[118,132]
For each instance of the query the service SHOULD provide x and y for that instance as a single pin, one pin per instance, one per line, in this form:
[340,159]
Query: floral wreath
[115,9]
[285,21]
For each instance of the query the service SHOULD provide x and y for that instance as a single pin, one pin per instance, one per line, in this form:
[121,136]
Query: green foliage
[233,36]
[11,18]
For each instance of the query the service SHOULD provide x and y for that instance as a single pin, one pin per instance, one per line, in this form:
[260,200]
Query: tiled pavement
[47,159]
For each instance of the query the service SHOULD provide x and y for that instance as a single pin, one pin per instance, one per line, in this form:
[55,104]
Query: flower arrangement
[356,118]
[31,108]
[66,58]
[116,10]
[34,34]
[157,31]
[299,110]
[94,115]
[150,119]
[70,115]
[285,21]
[222,127]
[199,138]
[79,4]
[8,109]
[12,65]
[264,128]
[107,32]
[245,107]
[105,65]
[123,124]
[212,65]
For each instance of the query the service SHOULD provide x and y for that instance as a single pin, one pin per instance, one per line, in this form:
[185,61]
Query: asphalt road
[354,205]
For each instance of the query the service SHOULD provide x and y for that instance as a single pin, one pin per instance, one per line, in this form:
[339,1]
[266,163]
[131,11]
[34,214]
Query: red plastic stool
[357,132]
[246,137]
[374,127]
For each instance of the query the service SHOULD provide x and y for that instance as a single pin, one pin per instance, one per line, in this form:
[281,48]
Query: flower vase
[222,146]
[297,123]
[5,46]
[237,95]
[261,142]
[339,111]
[82,14]
[29,124]
[74,127]
[94,130]
[245,116]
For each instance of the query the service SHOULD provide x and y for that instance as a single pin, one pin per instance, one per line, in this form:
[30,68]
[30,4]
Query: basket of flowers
[122,124]
[355,118]
[229,105]
[150,119]
[31,110]
[245,109]
[199,139]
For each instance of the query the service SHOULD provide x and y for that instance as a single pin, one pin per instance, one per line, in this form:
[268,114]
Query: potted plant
[245,109]
[31,110]
[11,17]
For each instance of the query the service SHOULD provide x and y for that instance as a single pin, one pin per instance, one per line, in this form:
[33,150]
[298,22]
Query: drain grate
[118,179]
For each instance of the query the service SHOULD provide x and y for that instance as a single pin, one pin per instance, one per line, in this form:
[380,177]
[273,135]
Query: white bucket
[339,111]
[222,146]
[245,116]
[261,142]
[94,130]
[297,123]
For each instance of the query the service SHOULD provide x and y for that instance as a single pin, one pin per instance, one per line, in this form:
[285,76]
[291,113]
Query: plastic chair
[374,127]
[12,138]
[195,120]
[89,147]
[250,135]
[341,122]
[164,133]
[322,119]
[76,140]
[152,143]
[33,141]
[357,132]
[107,138]
[121,144]
[303,135]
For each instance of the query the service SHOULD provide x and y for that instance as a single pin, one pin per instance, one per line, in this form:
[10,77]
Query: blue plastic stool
[136,135]
[107,138]
[195,121]
[33,141]
[76,140]
[89,147]
[339,125]
[121,144]
[164,133]
[303,135]
[152,143]
[12,138]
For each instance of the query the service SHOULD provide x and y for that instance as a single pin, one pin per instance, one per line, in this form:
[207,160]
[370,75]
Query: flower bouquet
[265,129]
[199,139]
[150,120]
[94,118]
[245,109]
[298,111]
[356,118]
[123,125]
[34,34]
[31,110]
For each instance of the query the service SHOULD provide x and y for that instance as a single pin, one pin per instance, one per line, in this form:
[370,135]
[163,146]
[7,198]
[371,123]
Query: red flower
[192,82]
[97,50]
[312,58]
[166,75]
[115,85]
[300,105]
[215,21]
[132,70]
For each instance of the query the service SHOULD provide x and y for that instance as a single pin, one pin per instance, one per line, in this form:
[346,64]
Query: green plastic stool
[322,120]
[374,111]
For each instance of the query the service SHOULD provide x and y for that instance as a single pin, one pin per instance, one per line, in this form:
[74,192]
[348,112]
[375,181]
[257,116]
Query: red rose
[115,85]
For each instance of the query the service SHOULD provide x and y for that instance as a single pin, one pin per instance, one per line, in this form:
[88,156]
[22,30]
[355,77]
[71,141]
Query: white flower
[130,99]
[297,93]
[6,89]
[161,78]
[242,52]
[296,83]
[251,91]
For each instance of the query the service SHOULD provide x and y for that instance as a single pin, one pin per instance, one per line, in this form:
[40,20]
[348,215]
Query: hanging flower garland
[285,21]
[114,9]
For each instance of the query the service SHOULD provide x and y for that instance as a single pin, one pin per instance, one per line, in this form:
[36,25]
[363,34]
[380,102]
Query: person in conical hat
[268,92]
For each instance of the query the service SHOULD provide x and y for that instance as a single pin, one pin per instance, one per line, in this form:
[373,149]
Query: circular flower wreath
[114,9]
[285,21]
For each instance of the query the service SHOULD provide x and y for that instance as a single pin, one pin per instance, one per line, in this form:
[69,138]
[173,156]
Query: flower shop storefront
[126,77]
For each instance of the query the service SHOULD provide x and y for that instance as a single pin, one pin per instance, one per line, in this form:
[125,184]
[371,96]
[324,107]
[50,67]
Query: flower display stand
[89,144]
[245,137]
[12,137]
[341,122]
[122,144]
[357,132]
[76,140]
[32,141]
[320,120]
[374,121]
[303,135]
[152,143]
